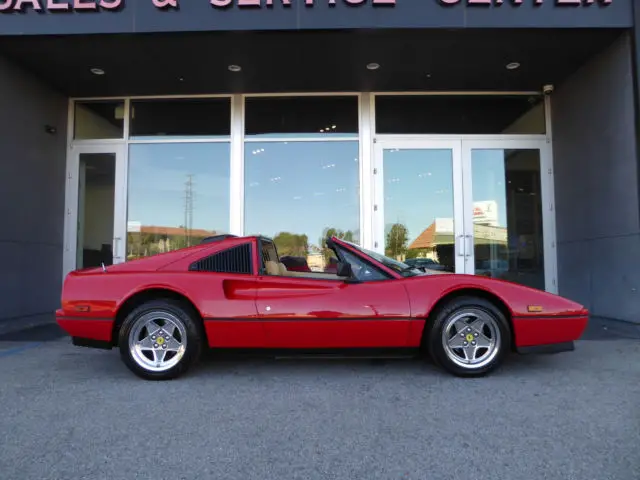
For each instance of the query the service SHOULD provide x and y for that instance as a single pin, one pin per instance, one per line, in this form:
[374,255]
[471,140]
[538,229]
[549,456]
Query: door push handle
[116,248]
[469,246]
[460,245]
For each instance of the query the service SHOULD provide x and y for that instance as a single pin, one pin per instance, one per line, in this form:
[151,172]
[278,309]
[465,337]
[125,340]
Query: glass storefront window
[507,215]
[298,193]
[312,116]
[459,114]
[180,118]
[178,195]
[98,120]
[419,207]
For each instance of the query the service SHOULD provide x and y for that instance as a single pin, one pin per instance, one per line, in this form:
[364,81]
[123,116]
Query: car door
[332,313]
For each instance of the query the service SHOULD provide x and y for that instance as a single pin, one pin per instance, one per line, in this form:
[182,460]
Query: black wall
[596,190]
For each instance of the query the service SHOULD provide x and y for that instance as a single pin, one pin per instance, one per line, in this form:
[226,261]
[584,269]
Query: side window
[362,270]
[270,259]
[233,260]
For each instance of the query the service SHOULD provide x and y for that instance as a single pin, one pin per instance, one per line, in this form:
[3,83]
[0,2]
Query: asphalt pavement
[73,413]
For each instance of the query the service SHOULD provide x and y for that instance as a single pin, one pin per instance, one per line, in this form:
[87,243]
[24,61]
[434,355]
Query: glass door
[418,208]
[508,211]
[95,207]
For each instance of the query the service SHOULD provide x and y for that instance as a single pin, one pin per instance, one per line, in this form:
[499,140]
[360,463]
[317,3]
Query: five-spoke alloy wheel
[469,337]
[160,340]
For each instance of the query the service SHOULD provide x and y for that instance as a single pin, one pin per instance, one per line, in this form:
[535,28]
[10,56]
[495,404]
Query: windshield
[402,268]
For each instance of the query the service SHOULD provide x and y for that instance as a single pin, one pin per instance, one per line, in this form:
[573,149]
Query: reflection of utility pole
[188,209]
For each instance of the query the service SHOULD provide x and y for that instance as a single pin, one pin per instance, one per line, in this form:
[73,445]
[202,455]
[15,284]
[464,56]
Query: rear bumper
[87,331]
[548,334]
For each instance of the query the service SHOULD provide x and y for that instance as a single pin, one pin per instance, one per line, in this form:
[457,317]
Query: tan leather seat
[271,267]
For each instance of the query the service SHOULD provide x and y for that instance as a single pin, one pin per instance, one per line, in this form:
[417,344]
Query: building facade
[493,139]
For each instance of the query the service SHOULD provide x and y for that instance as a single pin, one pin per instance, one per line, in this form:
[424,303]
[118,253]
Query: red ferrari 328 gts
[234,293]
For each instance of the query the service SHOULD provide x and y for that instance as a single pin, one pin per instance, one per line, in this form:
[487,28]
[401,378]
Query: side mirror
[344,270]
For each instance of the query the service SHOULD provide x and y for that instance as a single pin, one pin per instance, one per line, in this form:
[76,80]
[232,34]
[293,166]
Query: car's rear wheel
[160,340]
[469,337]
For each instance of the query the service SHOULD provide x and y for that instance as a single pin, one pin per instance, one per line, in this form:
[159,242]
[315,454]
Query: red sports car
[233,293]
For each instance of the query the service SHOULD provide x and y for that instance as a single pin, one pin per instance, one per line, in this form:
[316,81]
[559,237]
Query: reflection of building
[441,233]
[486,233]
[485,213]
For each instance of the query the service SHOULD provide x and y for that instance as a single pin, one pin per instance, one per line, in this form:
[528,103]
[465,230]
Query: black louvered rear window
[234,260]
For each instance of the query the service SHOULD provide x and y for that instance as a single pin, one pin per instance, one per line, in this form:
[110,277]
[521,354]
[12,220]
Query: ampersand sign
[166,3]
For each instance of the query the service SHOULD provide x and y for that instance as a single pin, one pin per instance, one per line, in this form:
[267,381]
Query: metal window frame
[366,138]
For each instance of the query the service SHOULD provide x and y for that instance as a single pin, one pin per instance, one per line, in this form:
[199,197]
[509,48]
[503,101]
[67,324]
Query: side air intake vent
[234,260]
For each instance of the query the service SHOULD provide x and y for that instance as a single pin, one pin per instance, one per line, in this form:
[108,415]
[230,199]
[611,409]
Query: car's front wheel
[160,340]
[469,337]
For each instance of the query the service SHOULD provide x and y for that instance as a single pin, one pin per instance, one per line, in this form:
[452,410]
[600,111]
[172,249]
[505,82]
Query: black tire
[186,321]
[447,359]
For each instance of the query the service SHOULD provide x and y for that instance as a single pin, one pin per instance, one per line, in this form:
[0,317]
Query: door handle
[116,248]
[460,245]
[469,246]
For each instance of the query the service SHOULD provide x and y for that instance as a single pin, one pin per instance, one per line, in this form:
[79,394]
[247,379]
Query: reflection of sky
[157,184]
[418,185]
[301,187]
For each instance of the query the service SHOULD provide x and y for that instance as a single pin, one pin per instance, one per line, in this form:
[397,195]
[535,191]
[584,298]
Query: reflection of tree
[146,244]
[397,239]
[334,232]
[291,244]
[151,240]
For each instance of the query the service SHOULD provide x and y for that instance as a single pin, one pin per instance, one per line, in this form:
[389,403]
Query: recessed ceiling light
[512,65]
[373,66]
[234,68]
[97,71]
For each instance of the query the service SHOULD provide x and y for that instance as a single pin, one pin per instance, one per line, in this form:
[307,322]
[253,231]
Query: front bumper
[551,334]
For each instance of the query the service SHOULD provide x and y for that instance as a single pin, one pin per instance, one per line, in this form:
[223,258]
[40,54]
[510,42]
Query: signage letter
[166,3]
[569,2]
[54,5]
[248,3]
[354,2]
[286,3]
[34,4]
[110,4]
[220,3]
[309,3]
[84,5]
[449,2]
[479,2]
[606,2]
[384,2]
[5,5]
